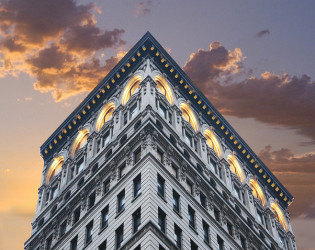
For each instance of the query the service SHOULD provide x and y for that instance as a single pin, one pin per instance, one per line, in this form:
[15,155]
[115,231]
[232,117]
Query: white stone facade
[158,131]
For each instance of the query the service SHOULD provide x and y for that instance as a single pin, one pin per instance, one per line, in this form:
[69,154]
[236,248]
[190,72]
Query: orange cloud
[297,173]
[56,43]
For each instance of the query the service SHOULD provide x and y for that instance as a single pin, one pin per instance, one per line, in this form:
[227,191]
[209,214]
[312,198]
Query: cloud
[273,99]
[56,43]
[144,8]
[297,173]
[262,33]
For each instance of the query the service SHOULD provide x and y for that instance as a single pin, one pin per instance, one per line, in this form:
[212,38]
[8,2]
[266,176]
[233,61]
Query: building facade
[146,162]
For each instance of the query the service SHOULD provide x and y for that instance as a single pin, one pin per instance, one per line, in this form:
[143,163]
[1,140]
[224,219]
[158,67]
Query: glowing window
[105,115]
[164,88]
[279,215]
[130,89]
[257,191]
[213,142]
[55,168]
[189,115]
[235,167]
[80,141]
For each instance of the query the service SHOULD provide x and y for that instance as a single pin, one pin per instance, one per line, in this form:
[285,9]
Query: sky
[254,60]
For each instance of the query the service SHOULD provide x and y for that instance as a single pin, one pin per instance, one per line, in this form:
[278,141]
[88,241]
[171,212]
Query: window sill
[193,228]
[87,244]
[162,197]
[208,244]
[178,213]
[102,229]
[120,212]
[136,197]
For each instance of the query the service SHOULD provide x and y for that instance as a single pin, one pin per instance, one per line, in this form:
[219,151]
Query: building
[147,162]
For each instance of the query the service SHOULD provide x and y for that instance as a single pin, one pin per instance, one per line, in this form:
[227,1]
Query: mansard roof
[148,47]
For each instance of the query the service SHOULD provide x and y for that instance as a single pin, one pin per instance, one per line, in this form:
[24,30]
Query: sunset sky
[254,60]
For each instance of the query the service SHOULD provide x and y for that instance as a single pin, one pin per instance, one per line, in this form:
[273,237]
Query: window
[203,200]
[92,200]
[80,165]
[121,201]
[170,118]
[103,245]
[136,217]
[220,243]
[188,139]
[282,241]
[138,248]
[125,118]
[89,232]
[76,215]
[74,243]
[53,210]
[213,166]
[133,111]
[98,146]
[160,155]
[122,170]
[63,228]
[119,236]
[193,245]
[260,217]
[162,111]
[237,192]
[189,186]
[72,173]
[178,236]
[95,168]
[216,214]
[160,185]
[176,200]
[137,125]
[174,170]
[161,248]
[161,220]
[191,217]
[229,228]
[205,228]
[106,139]
[54,192]
[137,186]
[137,155]
[104,222]
[106,186]
[49,243]
[243,242]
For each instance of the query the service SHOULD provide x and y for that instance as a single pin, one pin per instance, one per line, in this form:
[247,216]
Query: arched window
[130,89]
[213,142]
[189,115]
[105,115]
[257,191]
[54,168]
[279,215]
[165,89]
[235,167]
[80,141]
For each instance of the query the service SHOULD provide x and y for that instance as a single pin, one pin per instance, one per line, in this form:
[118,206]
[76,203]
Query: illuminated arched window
[130,89]
[80,141]
[235,167]
[165,89]
[189,115]
[213,142]
[105,115]
[257,191]
[55,168]
[279,215]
